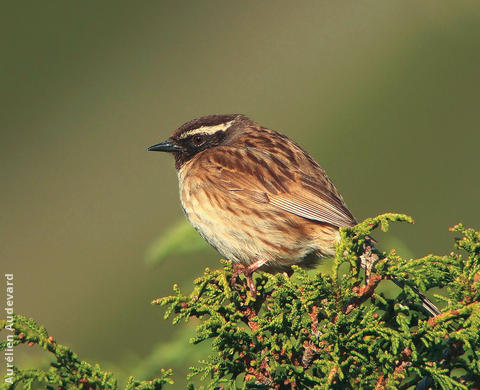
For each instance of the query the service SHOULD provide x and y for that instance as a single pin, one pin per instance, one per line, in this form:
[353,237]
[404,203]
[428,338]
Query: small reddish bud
[30,343]
[184,305]
[476,278]
[51,340]
[21,336]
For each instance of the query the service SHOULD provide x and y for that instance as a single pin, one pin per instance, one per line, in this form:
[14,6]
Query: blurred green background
[385,95]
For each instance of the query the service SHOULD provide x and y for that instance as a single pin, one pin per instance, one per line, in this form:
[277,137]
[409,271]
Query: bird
[256,196]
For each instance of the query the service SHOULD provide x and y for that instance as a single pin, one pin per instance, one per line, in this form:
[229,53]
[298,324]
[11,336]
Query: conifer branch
[66,371]
[340,332]
[313,330]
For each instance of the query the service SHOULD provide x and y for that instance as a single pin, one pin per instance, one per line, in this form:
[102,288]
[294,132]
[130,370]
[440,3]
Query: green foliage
[312,330]
[340,332]
[67,371]
[180,239]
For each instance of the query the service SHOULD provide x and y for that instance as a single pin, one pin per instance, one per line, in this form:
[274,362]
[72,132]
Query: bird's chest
[202,204]
[240,233]
[198,206]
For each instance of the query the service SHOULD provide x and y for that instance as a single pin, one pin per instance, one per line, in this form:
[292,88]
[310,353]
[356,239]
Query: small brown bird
[255,195]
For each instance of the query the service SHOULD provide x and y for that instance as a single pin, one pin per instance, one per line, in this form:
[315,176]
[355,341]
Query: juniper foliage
[67,371]
[340,331]
[313,330]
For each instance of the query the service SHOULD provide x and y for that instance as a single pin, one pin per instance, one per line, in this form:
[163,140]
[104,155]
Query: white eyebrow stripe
[208,130]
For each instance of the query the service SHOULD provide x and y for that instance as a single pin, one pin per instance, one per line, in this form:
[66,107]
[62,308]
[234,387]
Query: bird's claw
[248,272]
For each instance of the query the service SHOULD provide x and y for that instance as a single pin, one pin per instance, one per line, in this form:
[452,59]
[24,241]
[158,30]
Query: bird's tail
[369,258]
[426,303]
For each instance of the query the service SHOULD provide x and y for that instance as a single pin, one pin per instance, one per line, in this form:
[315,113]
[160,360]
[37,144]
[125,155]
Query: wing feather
[304,190]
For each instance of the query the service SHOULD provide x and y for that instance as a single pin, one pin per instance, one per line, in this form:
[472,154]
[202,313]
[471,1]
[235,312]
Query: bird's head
[200,134]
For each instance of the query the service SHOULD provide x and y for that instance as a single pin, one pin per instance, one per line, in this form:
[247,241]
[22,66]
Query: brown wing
[302,188]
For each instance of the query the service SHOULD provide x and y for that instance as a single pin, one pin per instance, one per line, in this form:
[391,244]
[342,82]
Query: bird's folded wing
[312,208]
[309,195]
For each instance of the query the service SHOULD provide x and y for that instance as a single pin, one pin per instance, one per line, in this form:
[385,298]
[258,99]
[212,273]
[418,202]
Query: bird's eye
[197,140]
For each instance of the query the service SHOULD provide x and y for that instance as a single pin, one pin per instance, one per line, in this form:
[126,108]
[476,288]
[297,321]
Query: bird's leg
[237,270]
[288,272]
[248,272]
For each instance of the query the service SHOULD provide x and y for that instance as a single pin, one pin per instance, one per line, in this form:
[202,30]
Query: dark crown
[205,121]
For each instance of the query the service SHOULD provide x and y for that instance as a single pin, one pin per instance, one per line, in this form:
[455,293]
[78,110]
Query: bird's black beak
[165,146]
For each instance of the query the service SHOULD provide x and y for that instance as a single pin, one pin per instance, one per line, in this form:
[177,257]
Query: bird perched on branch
[255,195]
